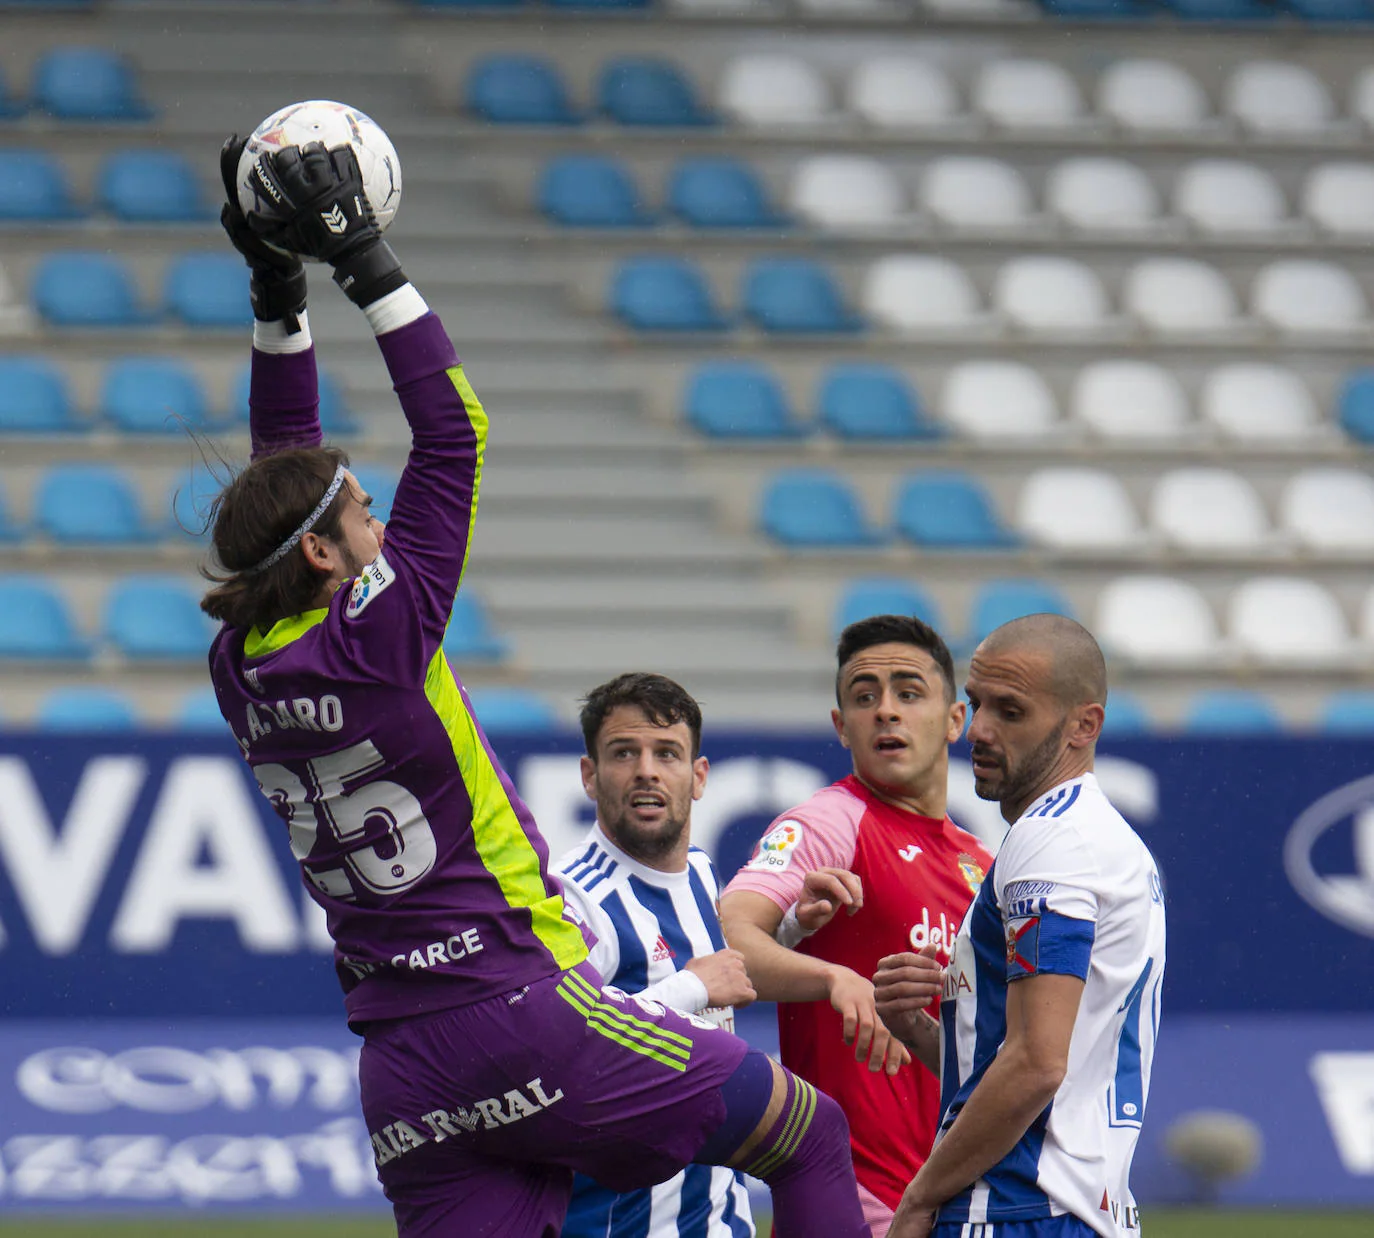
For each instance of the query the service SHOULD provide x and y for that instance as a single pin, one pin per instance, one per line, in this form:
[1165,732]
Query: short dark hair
[899,630]
[663,701]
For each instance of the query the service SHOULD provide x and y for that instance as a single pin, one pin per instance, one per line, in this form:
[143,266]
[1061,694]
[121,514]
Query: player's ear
[837,721]
[958,718]
[1086,727]
[700,768]
[318,553]
[588,768]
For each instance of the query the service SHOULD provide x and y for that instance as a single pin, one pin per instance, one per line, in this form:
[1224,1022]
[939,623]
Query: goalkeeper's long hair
[255,513]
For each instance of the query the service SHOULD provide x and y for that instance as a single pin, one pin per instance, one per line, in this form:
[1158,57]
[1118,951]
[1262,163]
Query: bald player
[1050,1006]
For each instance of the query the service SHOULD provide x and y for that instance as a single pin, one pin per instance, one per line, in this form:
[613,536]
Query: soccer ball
[334,124]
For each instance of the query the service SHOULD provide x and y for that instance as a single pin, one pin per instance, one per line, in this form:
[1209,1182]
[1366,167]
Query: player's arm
[603,946]
[824,892]
[903,986]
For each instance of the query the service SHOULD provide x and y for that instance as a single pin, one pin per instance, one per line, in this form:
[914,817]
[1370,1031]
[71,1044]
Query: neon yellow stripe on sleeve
[477,418]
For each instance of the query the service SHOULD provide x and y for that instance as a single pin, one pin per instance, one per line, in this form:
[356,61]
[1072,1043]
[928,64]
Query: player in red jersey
[880,844]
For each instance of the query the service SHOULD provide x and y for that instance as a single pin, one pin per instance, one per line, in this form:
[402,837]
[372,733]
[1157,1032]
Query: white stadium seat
[847,191]
[1179,296]
[1339,198]
[902,92]
[1304,296]
[1078,509]
[1151,96]
[1130,400]
[1227,196]
[1045,293]
[1027,94]
[1287,619]
[1099,194]
[971,191]
[1256,402]
[771,89]
[1156,619]
[1208,509]
[921,292]
[998,400]
[1274,98]
[1330,509]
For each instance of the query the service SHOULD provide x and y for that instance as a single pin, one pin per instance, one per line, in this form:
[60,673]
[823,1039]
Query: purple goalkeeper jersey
[409,833]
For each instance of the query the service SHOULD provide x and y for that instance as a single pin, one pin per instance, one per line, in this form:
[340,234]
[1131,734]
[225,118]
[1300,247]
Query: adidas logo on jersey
[662,951]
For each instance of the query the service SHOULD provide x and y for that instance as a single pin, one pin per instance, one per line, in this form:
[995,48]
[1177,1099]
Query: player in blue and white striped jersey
[1050,1007]
[650,898]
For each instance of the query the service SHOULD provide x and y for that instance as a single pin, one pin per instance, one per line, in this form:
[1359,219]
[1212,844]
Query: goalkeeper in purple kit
[493,1065]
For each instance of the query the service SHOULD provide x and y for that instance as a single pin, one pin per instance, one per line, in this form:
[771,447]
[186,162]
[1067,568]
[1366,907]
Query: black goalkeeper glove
[277,285]
[330,218]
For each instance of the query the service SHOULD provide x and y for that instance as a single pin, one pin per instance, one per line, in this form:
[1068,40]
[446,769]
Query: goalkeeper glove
[277,283]
[329,217]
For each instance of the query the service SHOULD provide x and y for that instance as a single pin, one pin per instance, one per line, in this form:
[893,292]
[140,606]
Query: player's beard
[1017,780]
[647,846]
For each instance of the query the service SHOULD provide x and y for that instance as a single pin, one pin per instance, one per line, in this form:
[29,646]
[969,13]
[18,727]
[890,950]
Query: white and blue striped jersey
[648,925]
[1073,891]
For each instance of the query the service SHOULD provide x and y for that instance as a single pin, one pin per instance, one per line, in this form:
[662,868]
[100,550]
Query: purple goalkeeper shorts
[479,1115]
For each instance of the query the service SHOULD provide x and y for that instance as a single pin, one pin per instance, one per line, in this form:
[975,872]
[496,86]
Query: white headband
[309,523]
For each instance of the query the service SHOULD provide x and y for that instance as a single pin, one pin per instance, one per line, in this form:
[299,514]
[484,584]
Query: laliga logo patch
[375,577]
[1339,823]
[775,851]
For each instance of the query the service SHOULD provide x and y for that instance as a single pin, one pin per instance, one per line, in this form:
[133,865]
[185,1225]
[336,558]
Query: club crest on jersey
[972,871]
[375,577]
[775,851]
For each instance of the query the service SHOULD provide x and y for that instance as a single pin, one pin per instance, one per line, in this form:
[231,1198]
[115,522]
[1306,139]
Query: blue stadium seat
[208,290]
[949,510]
[154,186]
[1333,10]
[863,401]
[380,484]
[33,186]
[199,712]
[469,636]
[885,595]
[34,398]
[87,290]
[512,711]
[518,90]
[641,91]
[814,509]
[468,4]
[1350,712]
[1125,716]
[156,618]
[720,193]
[188,502]
[1356,406]
[739,399]
[153,395]
[36,622]
[87,83]
[1224,10]
[82,708]
[335,418]
[664,294]
[598,4]
[1231,711]
[590,191]
[1098,9]
[792,295]
[89,504]
[996,602]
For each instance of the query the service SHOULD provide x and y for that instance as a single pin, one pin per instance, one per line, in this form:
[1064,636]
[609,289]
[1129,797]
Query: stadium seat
[334,415]
[844,192]
[635,90]
[1277,99]
[150,186]
[1180,297]
[767,90]
[1224,10]
[1227,197]
[469,4]
[188,502]
[89,504]
[1349,712]
[948,510]
[33,186]
[156,618]
[1026,94]
[1098,10]
[598,4]
[86,83]
[518,90]
[379,484]
[999,601]
[80,708]
[1100,194]
[1231,711]
[1339,199]
[1156,620]
[1329,509]
[916,293]
[512,711]
[901,92]
[884,595]
[1047,294]
[34,398]
[814,509]
[1309,297]
[590,191]
[469,636]
[998,400]
[208,290]
[1287,619]
[973,191]
[859,401]
[1255,402]
[739,399]
[664,294]
[1125,716]
[153,395]
[36,622]
[1151,96]
[88,290]
[795,295]
[1078,509]
[720,193]
[1207,509]
[1355,406]
[1127,400]
[199,712]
